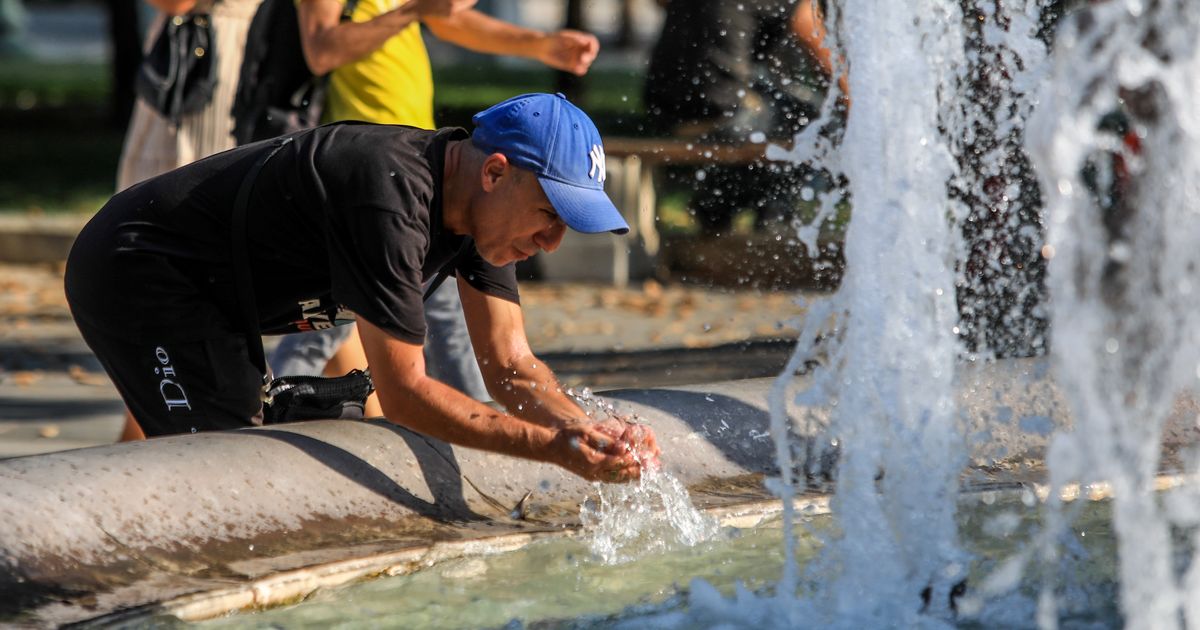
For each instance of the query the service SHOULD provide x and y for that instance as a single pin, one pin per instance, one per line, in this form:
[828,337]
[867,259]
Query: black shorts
[185,387]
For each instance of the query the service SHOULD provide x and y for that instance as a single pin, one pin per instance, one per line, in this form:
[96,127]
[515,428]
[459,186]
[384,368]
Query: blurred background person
[732,72]
[155,145]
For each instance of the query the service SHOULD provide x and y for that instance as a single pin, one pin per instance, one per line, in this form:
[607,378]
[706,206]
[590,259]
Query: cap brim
[584,210]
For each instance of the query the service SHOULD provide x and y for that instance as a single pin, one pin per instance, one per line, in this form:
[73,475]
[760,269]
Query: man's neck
[455,191]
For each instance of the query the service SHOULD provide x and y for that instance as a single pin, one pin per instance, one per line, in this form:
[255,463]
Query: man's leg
[449,355]
[182,387]
[132,431]
[306,354]
[350,356]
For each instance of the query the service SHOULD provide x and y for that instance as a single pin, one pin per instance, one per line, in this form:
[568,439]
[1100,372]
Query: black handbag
[179,73]
[296,398]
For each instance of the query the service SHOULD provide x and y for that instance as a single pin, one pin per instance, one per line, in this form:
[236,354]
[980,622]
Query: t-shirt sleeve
[375,268]
[499,282]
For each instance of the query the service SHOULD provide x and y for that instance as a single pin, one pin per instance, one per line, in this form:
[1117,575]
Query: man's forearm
[179,7]
[437,410]
[529,389]
[328,47]
[482,33]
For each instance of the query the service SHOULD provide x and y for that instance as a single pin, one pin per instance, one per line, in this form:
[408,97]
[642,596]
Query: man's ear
[495,168]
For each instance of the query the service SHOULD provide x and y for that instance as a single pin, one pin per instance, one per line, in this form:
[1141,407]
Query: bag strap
[242,272]
[445,271]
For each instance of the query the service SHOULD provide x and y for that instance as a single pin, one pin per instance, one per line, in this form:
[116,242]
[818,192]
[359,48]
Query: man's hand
[441,8]
[571,51]
[637,438]
[603,454]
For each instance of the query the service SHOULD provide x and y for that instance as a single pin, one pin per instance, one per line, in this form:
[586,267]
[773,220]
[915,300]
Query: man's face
[514,219]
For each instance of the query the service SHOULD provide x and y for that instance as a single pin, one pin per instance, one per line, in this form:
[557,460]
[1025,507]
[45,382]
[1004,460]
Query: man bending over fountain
[347,223]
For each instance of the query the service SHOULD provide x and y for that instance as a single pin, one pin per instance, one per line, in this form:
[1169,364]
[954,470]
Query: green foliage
[60,148]
[26,85]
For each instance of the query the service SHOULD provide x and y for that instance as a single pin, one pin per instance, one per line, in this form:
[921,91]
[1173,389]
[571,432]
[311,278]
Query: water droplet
[193,429]
[1111,345]
[391,173]
[1120,251]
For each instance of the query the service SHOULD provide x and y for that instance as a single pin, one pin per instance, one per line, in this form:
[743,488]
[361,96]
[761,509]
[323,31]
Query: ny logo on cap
[597,155]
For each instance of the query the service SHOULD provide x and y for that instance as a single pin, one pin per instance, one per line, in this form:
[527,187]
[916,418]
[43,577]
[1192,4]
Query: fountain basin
[90,532]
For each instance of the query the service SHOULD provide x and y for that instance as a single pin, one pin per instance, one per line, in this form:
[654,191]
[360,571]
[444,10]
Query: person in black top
[736,72]
[346,223]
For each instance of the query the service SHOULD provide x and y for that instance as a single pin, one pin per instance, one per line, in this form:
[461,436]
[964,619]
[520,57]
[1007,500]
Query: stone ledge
[26,238]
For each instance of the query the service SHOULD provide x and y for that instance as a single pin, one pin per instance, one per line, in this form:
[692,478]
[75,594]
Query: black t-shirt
[347,218]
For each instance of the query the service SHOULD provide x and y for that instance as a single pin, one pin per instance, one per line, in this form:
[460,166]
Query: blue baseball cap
[546,134]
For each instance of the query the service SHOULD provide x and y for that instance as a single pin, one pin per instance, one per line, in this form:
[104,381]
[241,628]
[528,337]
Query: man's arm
[329,42]
[179,7]
[572,51]
[524,384]
[808,24]
[413,400]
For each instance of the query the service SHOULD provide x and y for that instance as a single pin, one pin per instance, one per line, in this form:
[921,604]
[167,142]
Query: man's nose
[550,238]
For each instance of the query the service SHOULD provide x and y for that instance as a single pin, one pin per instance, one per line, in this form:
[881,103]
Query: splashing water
[931,156]
[911,144]
[890,376]
[627,521]
[1125,240]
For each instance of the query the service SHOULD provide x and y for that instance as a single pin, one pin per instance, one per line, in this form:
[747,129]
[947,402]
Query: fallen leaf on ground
[82,376]
[25,378]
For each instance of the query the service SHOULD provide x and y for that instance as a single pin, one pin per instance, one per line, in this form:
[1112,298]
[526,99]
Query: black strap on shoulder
[242,272]
[446,270]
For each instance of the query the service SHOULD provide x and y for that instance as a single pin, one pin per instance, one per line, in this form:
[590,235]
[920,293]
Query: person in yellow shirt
[380,72]
[393,84]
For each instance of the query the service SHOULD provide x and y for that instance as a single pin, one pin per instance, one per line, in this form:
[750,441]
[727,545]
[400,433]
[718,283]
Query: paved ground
[54,396]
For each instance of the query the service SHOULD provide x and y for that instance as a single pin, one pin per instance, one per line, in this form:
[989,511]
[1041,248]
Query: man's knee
[182,387]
